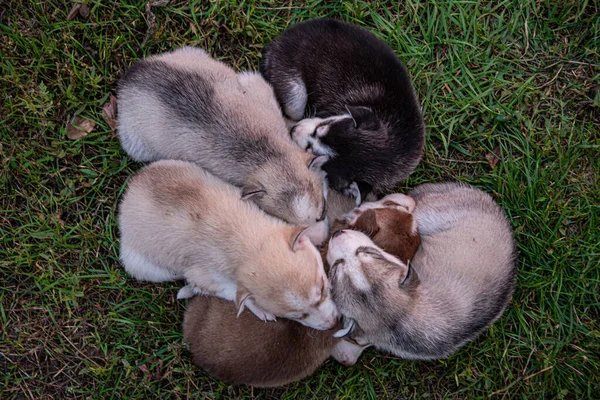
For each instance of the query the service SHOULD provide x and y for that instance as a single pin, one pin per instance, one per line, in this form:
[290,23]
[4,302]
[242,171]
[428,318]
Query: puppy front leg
[259,312]
[352,190]
[188,291]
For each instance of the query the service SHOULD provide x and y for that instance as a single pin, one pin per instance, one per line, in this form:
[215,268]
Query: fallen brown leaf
[494,157]
[84,11]
[79,128]
[145,370]
[109,112]
[151,18]
[74,11]
[78,9]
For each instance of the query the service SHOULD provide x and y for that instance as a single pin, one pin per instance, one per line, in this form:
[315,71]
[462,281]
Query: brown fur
[247,350]
[391,230]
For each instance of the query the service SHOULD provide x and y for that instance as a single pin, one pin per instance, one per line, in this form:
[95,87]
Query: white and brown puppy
[245,350]
[184,105]
[177,221]
[358,103]
[459,282]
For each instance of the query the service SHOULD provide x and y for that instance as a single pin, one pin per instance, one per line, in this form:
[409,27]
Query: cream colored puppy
[177,221]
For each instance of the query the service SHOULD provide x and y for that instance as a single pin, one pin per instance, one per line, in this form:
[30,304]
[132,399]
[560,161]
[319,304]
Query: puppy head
[293,189]
[394,230]
[295,285]
[337,135]
[388,222]
[367,282]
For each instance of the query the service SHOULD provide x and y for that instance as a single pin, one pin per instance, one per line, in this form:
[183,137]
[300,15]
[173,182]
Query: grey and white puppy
[184,105]
[459,282]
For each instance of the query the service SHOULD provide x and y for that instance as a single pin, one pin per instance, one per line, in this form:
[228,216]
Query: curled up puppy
[241,349]
[354,101]
[459,282]
[178,221]
[185,105]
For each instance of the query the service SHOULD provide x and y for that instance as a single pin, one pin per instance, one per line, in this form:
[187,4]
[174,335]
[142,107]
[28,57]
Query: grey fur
[184,105]
[460,280]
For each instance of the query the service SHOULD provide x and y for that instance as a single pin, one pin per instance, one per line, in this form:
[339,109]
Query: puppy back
[467,260]
[245,350]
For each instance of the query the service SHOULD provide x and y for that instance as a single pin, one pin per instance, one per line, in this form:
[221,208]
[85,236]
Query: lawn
[511,97]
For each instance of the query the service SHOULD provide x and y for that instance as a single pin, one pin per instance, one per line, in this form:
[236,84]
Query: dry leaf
[78,9]
[494,157]
[151,18]
[74,11]
[109,112]
[144,369]
[79,128]
[84,11]
[158,375]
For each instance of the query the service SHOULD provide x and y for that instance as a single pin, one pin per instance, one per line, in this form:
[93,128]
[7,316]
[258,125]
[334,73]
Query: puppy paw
[352,190]
[318,232]
[259,312]
[187,291]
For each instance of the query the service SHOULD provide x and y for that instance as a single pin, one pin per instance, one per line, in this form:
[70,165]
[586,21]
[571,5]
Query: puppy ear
[241,297]
[367,222]
[316,163]
[250,190]
[364,118]
[297,237]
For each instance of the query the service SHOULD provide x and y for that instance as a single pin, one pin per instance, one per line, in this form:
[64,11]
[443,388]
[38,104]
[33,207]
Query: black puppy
[360,106]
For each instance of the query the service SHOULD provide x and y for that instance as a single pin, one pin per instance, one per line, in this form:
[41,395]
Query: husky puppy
[360,107]
[184,105]
[242,349]
[459,282]
[178,221]
[388,222]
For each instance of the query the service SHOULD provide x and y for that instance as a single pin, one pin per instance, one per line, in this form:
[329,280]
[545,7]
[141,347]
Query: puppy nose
[331,323]
[337,233]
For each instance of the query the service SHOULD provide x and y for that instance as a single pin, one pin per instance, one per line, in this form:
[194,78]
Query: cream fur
[177,220]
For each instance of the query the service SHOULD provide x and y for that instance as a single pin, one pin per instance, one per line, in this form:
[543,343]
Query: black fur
[347,69]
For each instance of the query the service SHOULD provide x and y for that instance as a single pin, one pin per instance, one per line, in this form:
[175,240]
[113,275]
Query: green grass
[522,77]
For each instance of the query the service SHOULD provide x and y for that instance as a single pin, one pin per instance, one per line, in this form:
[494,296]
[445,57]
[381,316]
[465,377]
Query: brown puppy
[248,351]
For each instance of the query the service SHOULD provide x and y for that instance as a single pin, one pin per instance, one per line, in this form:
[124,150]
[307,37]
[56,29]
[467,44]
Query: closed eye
[322,292]
[368,250]
[324,212]
[408,276]
[336,264]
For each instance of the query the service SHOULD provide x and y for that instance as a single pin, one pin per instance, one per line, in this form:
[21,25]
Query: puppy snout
[337,233]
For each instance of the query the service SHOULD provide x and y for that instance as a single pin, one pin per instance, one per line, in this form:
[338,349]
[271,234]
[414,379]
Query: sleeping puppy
[459,282]
[357,99]
[245,350]
[177,221]
[185,105]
